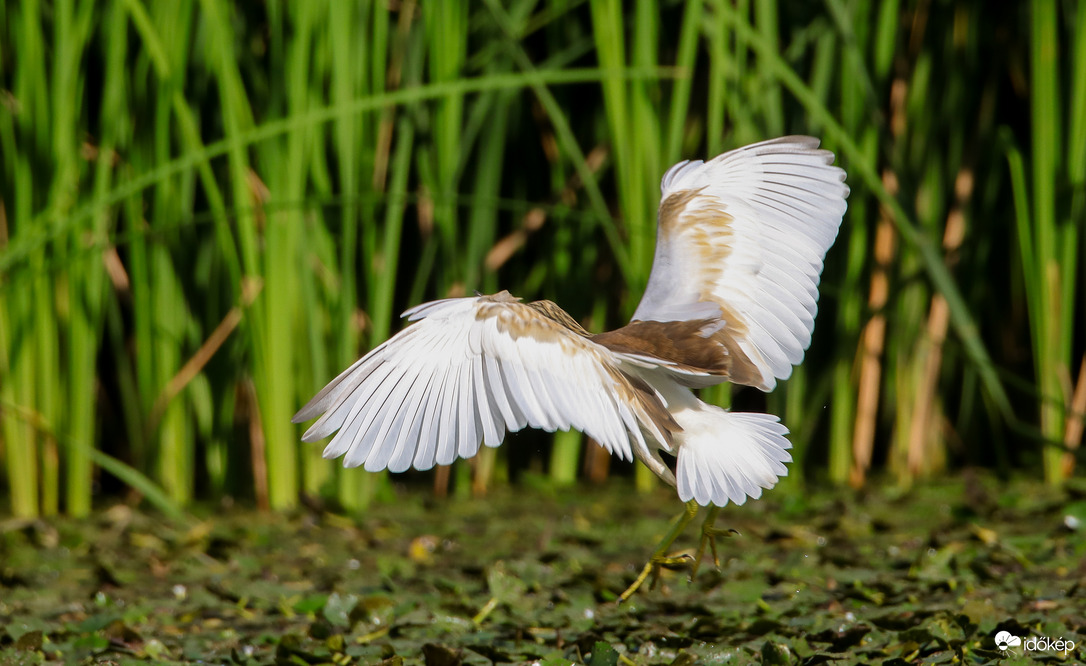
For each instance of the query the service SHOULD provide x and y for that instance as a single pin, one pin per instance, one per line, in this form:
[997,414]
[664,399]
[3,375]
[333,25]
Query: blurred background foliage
[207,209]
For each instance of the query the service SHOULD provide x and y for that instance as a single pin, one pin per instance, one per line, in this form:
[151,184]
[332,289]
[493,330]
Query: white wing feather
[741,238]
[768,213]
[431,393]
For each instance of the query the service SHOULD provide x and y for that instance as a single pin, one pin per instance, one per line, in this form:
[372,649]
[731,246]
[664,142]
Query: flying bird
[732,296]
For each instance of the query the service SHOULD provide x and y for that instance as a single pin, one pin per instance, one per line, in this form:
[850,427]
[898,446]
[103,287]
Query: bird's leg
[709,533]
[659,557]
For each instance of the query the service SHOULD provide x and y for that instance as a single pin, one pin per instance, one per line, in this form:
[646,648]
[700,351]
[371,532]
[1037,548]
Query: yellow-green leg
[659,557]
[709,533]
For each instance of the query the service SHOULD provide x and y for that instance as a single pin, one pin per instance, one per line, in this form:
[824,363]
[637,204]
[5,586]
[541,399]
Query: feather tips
[469,370]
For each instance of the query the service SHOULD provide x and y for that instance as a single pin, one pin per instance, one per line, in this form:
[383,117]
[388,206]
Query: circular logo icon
[1005,640]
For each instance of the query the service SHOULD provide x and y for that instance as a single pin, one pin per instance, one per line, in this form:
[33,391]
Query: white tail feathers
[728,456]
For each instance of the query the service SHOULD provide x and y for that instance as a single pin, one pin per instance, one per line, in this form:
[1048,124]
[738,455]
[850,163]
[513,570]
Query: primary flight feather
[732,296]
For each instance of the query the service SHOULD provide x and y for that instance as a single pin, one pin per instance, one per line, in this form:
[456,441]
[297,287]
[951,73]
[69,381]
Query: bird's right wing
[469,370]
[742,237]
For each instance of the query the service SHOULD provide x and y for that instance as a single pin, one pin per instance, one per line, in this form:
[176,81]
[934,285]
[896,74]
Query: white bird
[732,296]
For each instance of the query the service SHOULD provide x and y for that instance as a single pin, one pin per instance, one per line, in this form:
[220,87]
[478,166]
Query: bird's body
[732,297]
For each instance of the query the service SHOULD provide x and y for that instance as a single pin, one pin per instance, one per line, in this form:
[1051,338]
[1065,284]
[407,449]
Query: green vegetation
[207,209]
[871,578]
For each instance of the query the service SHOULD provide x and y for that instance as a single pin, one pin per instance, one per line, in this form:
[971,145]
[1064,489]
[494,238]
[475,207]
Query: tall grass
[207,209]
[1050,233]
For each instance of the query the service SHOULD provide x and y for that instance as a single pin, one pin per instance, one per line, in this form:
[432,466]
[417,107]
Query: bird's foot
[710,538]
[652,569]
[709,534]
[659,559]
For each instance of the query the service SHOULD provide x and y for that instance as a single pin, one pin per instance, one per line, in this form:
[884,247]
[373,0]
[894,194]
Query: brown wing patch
[707,231]
[550,310]
[741,370]
[690,344]
[697,345]
[651,409]
[545,321]
[542,320]
[670,216]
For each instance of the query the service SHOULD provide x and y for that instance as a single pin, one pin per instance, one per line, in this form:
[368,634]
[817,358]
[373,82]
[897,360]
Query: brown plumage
[691,345]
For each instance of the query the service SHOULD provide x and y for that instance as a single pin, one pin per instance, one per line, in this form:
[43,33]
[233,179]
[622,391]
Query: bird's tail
[728,456]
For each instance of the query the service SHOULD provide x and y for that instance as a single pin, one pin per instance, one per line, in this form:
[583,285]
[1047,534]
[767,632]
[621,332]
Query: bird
[731,297]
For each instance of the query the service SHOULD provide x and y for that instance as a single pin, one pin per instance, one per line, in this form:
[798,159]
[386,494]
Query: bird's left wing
[469,370]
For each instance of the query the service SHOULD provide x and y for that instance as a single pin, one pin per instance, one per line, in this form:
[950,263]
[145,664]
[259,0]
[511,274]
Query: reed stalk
[1048,236]
[202,222]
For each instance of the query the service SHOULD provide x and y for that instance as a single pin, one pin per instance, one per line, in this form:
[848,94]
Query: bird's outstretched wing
[743,237]
[469,370]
